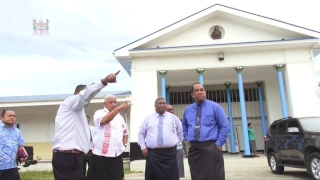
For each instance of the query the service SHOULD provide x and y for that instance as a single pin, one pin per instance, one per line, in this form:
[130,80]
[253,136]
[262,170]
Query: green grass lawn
[48,175]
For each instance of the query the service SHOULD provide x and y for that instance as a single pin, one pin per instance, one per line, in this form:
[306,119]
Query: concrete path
[236,167]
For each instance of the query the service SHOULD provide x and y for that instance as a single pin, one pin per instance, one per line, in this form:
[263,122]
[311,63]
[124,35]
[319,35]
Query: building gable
[232,30]
[236,26]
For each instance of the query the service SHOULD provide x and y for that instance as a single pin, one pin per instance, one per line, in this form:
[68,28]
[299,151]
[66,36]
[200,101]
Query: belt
[174,147]
[74,151]
[202,142]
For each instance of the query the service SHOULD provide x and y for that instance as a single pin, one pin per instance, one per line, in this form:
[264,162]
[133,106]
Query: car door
[293,143]
[282,127]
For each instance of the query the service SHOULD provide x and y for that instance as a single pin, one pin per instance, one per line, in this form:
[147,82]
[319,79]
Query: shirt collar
[164,114]
[2,125]
[195,105]
[106,110]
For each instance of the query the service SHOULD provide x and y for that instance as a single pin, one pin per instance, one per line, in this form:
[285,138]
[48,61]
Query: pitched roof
[220,7]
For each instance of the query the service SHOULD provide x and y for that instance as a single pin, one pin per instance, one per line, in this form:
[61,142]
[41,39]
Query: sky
[84,34]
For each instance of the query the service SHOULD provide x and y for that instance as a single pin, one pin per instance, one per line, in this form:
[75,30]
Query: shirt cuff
[143,146]
[100,85]
[219,143]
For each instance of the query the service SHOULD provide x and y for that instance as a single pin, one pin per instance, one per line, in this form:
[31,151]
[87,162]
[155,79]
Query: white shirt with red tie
[107,139]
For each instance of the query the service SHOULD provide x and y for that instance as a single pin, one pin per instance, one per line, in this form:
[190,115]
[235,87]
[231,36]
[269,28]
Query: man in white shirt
[109,141]
[72,135]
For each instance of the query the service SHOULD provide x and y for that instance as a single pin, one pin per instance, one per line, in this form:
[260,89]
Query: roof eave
[200,49]
[121,98]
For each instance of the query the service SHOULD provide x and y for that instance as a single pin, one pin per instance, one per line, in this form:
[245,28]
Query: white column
[302,86]
[144,93]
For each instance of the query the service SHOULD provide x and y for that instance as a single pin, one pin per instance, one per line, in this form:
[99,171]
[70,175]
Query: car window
[282,127]
[273,129]
[310,124]
[293,123]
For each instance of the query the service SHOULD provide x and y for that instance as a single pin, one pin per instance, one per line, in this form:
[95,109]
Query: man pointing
[72,134]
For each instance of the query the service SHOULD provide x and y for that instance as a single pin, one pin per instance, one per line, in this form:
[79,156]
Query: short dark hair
[249,124]
[4,111]
[156,101]
[79,88]
[195,84]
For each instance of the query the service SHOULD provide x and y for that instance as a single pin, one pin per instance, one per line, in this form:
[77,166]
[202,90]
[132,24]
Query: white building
[218,40]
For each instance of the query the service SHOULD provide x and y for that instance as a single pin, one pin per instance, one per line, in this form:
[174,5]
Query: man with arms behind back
[158,136]
[205,127]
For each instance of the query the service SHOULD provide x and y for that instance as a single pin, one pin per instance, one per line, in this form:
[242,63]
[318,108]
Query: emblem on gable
[41,28]
[216,33]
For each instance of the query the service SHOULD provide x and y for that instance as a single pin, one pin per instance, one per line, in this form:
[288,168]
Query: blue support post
[163,83]
[244,122]
[168,94]
[263,117]
[281,89]
[200,72]
[232,137]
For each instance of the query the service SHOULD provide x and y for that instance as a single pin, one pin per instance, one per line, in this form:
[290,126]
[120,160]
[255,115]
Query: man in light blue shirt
[158,137]
[11,142]
[206,128]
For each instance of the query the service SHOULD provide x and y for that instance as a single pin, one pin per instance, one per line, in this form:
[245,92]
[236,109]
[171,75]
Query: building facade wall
[293,58]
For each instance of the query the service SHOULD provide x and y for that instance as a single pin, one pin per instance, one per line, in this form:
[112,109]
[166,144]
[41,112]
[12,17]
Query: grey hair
[156,101]
[108,96]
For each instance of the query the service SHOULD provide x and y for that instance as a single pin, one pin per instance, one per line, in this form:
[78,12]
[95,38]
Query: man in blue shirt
[10,142]
[205,127]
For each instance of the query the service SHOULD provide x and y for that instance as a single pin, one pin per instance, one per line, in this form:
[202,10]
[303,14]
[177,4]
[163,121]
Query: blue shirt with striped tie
[214,123]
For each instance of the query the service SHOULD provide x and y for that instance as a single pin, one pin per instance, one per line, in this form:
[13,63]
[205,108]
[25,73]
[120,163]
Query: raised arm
[84,97]
[223,126]
[109,117]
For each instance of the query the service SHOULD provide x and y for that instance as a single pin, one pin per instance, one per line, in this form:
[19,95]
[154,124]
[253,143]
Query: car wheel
[274,165]
[314,165]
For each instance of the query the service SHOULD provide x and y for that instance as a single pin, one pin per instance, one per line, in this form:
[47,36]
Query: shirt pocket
[170,125]
[209,120]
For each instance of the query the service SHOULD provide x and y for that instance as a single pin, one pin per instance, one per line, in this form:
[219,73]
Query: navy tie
[198,123]
[160,130]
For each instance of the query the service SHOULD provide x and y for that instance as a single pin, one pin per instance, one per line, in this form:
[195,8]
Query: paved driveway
[237,168]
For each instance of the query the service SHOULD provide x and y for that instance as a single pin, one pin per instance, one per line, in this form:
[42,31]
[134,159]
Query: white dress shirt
[71,124]
[107,139]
